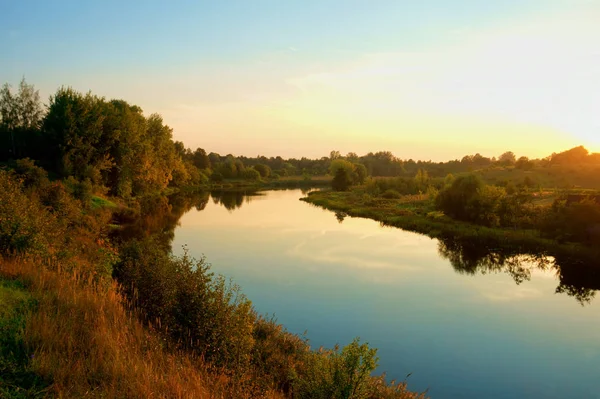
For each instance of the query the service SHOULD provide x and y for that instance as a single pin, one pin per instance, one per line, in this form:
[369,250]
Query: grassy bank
[417,213]
[86,316]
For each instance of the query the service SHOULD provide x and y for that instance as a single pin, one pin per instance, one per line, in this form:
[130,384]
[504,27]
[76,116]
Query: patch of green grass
[420,216]
[17,379]
[100,202]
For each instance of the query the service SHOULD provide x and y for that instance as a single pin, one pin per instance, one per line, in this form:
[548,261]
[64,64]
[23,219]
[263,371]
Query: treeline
[113,146]
[563,216]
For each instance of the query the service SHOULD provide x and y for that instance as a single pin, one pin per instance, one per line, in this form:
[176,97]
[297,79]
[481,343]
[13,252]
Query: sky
[431,80]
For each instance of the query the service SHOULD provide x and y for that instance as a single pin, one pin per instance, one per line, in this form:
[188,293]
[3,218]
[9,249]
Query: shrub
[391,194]
[182,297]
[264,170]
[25,225]
[216,177]
[454,200]
[342,180]
[251,174]
[339,374]
[82,190]
[33,176]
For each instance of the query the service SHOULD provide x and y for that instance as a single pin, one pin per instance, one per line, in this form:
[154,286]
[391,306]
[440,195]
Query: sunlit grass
[101,202]
[82,339]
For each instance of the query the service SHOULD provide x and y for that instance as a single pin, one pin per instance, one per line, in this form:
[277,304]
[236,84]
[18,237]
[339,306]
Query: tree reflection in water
[577,277]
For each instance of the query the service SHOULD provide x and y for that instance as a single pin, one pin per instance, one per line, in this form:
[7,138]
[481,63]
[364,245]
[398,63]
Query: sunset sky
[423,79]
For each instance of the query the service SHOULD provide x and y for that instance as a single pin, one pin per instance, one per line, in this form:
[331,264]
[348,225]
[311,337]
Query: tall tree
[20,115]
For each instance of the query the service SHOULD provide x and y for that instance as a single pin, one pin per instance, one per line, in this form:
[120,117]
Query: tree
[251,174]
[201,159]
[524,163]
[342,180]
[422,178]
[573,156]
[334,155]
[360,173]
[454,200]
[20,115]
[508,158]
[263,169]
[23,111]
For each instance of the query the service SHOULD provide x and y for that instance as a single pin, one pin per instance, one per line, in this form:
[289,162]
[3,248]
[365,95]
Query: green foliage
[25,226]
[576,221]
[20,117]
[422,178]
[360,173]
[391,194]
[216,177]
[200,159]
[81,190]
[575,155]
[251,174]
[455,200]
[278,356]
[32,176]
[342,180]
[264,170]
[339,163]
[17,379]
[179,294]
[508,158]
[109,142]
[339,374]
[524,163]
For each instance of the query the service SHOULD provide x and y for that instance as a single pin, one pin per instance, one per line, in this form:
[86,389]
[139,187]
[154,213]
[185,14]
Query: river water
[462,327]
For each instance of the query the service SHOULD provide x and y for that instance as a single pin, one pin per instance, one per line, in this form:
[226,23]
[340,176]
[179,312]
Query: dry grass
[85,341]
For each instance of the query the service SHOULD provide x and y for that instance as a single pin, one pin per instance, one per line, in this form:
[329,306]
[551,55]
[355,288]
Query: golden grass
[85,341]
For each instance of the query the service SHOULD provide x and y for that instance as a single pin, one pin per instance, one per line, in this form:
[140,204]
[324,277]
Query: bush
[251,174]
[33,176]
[264,170]
[391,194]
[82,190]
[455,200]
[278,356]
[26,227]
[182,297]
[216,177]
[342,180]
[339,374]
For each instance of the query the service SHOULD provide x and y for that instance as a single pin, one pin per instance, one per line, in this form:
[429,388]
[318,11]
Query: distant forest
[113,147]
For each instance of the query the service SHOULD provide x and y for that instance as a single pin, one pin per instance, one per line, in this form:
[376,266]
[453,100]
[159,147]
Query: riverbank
[125,318]
[262,184]
[417,213]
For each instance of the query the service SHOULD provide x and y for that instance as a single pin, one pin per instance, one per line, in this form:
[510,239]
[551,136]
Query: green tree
[342,180]
[524,163]
[251,174]
[454,200]
[507,158]
[263,169]
[201,159]
[360,173]
[20,115]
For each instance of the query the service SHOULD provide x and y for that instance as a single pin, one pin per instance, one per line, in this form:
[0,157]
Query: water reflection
[233,200]
[580,279]
[464,317]
[576,279]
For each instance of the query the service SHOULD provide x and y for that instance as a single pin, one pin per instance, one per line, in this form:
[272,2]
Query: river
[484,328]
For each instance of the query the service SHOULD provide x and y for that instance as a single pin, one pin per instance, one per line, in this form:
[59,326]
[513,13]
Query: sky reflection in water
[462,336]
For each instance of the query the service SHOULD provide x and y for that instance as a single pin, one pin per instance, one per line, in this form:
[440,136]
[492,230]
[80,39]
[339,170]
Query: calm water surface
[461,335]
